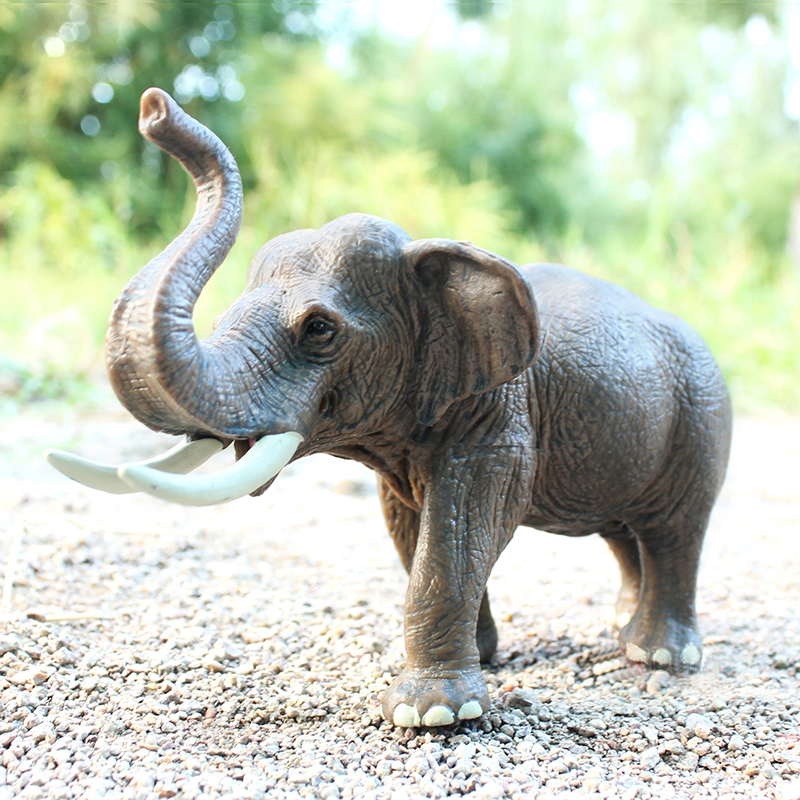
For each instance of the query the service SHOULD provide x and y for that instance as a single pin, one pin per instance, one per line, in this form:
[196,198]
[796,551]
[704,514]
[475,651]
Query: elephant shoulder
[570,299]
[556,284]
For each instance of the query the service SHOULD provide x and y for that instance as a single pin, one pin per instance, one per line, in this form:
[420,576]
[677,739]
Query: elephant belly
[602,458]
[562,527]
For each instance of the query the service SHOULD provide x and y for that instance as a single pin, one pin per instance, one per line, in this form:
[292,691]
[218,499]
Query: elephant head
[346,339]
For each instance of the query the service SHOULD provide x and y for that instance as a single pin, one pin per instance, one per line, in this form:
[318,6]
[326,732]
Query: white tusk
[181,458]
[262,462]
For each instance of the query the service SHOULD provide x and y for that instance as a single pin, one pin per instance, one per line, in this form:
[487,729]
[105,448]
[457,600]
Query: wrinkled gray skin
[486,396]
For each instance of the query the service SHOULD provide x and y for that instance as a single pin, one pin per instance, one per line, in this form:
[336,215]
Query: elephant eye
[318,331]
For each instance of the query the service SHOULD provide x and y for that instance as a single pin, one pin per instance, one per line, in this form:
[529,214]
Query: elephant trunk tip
[155,106]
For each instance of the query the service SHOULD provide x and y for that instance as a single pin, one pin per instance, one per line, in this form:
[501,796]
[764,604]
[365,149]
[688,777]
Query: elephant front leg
[468,517]
[403,525]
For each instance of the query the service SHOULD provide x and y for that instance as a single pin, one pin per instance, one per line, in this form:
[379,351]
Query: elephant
[485,395]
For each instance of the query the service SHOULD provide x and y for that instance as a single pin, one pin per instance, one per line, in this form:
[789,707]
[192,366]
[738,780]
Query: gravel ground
[152,651]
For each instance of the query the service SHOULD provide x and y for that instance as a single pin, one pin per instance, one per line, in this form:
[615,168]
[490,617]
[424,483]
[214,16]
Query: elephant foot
[669,645]
[434,697]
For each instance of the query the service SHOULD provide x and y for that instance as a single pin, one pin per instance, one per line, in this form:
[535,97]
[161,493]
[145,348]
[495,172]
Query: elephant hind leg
[402,522]
[625,547]
[403,525]
[487,631]
[662,633]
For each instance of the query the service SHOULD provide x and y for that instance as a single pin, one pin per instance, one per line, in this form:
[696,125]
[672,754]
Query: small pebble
[699,726]
[736,743]
[650,758]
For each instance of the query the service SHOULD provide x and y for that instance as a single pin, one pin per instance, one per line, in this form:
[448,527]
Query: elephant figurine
[484,395]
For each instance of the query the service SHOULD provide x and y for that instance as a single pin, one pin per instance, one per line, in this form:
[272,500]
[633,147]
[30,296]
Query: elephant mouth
[243,446]
[258,462]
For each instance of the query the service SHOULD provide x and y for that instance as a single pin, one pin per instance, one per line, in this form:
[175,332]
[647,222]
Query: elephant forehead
[351,251]
[363,231]
[358,244]
[351,271]
[358,254]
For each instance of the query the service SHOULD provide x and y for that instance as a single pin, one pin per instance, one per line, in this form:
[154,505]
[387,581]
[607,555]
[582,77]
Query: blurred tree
[662,136]
[582,112]
[576,111]
[653,90]
[71,75]
[473,9]
[727,12]
[478,100]
[687,122]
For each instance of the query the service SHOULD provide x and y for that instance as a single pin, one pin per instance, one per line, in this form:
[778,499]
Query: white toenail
[662,657]
[470,710]
[623,618]
[438,715]
[635,653]
[405,716]
[691,655]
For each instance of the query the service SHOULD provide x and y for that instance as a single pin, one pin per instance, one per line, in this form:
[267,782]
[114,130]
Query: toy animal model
[485,395]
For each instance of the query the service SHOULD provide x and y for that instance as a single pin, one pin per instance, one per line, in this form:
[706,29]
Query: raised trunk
[160,371]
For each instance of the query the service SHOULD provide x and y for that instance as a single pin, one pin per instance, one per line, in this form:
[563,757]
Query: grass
[57,297]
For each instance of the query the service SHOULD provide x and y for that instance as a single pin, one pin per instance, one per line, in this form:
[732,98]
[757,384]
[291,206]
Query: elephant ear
[479,323]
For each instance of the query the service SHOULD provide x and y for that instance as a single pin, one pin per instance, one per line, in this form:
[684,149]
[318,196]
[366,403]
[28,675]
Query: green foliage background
[653,144]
